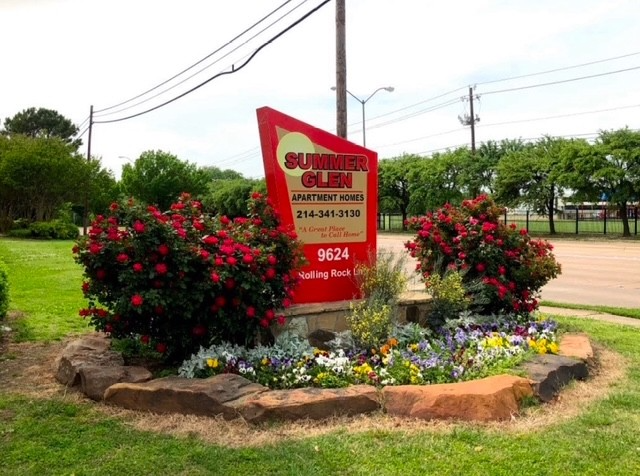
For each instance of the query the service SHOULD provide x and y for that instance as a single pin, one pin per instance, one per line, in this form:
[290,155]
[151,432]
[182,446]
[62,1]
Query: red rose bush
[181,279]
[502,268]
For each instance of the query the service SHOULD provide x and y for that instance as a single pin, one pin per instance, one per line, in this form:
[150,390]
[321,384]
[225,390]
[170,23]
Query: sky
[67,55]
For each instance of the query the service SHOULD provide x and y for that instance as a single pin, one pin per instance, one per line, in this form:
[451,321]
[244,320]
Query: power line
[510,78]
[83,133]
[415,114]
[558,69]
[209,65]
[582,113]
[197,62]
[561,81]
[411,105]
[457,129]
[223,73]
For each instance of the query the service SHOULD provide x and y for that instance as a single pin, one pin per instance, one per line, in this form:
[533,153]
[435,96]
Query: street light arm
[356,97]
[386,88]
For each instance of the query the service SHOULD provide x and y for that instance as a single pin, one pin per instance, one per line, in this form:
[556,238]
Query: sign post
[327,187]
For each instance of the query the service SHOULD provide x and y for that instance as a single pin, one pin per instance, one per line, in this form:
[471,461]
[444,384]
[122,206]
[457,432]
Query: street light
[128,159]
[363,102]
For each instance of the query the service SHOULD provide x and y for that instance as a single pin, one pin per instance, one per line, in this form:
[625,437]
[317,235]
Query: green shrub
[54,230]
[47,230]
[508,265]
[4,291]
[182,279]
[20,233]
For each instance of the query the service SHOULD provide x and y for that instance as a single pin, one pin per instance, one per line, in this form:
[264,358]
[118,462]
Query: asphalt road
[593,272]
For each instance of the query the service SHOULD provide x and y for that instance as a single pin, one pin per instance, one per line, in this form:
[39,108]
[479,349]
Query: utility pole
[85,217]
[341,71]
[470,120]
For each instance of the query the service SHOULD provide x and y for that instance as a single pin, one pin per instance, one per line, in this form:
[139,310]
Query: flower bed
[413,356]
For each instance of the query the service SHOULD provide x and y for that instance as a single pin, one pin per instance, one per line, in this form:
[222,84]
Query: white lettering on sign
[333,254]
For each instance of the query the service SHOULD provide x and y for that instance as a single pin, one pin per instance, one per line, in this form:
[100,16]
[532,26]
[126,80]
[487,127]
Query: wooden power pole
[341,70]
[470,120]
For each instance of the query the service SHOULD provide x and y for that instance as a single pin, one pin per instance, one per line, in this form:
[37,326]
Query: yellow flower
[553,348]
[413,347]
[264,361]
[213,363]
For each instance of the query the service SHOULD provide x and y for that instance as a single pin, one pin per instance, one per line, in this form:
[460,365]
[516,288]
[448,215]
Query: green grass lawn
[44,285]
[56,436]
[51,436]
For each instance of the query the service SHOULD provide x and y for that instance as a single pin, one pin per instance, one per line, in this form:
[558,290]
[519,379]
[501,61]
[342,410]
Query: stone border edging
[232,396]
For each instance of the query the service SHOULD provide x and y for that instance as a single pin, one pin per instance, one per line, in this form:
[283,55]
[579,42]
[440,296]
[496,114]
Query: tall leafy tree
[216,173]
[607,170]
[479,171]
[230,197]
[159,178]
[43,123]
[437,181]
[38,175]
[530,176]
[393,184]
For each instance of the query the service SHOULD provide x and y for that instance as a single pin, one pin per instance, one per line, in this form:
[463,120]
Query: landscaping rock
[320,338]
[550,373]
[312,403]
[88,351]
[218,395]
[94,380]
[491,398]
[576,345]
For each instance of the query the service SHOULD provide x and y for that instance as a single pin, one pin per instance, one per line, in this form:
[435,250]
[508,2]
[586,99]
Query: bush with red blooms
[181,279]
[502,267]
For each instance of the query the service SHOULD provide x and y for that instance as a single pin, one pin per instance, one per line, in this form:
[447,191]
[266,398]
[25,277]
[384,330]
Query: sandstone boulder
[94,380]
[88,351]
[576,345]
[312,403]
[218,395]
[491,398]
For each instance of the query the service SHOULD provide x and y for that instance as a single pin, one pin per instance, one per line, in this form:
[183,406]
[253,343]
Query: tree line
[518,173]
[42,174]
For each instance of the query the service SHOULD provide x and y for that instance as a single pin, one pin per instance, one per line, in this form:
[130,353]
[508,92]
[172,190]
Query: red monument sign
[327,187]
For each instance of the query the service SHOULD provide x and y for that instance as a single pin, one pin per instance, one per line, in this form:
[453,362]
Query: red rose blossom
[138,226]
[137,267]
[163,250]
[161,268]
[136,300]
[161,348]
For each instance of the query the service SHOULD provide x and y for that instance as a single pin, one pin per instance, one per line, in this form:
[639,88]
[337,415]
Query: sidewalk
[600,316]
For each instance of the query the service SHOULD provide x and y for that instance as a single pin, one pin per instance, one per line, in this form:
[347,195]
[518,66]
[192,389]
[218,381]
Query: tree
[159,178]
[437,181]
[393,184]
[231,197]
[608,170]
[216,173]
[479,171]
[530,176]
[43,123]
[37,176]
